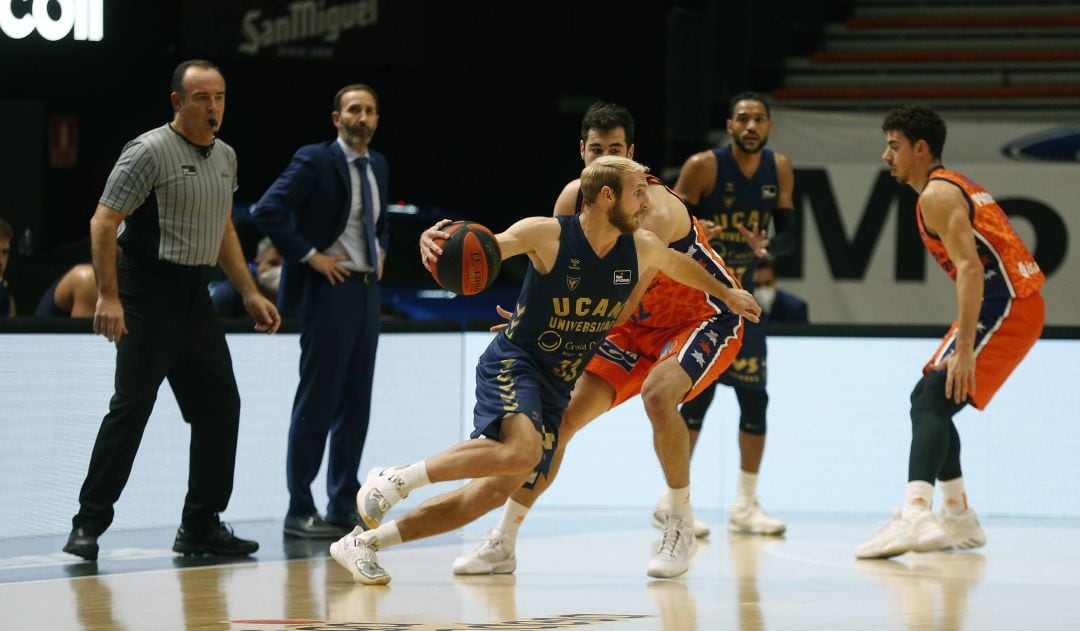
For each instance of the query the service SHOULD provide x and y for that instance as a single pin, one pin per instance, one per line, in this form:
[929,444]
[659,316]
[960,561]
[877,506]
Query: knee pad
[752,404]
[693,423]
[693,411]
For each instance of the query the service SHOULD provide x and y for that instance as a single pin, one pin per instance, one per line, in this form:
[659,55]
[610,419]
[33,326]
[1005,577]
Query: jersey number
[567,370]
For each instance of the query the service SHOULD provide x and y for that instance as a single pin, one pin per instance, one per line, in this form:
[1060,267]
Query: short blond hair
[606,171]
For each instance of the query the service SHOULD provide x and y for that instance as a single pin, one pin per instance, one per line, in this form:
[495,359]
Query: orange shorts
[704,350]
[1007,331]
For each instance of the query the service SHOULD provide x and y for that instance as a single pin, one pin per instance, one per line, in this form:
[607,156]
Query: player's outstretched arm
[683,269]
[537,237]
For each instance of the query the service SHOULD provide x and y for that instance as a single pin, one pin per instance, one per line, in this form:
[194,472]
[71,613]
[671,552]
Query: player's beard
[624,222]
[739,143]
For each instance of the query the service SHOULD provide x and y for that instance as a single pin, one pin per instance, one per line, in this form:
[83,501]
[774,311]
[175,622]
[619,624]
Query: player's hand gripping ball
[470,260]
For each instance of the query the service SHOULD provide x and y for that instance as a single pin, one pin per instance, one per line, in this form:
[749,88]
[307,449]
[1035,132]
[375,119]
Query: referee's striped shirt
[176,201]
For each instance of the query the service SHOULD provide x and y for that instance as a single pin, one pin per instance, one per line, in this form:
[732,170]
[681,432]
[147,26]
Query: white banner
[861,260]
[814,138]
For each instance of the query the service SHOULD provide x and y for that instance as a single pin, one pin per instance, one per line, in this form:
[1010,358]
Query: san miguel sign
[352,31]
[303,24]
[82,18]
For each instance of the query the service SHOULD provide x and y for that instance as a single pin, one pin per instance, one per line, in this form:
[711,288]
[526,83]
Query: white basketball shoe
[382,488]
[359,559]
[677,546]
[492,556]
[748,517]
[898,536]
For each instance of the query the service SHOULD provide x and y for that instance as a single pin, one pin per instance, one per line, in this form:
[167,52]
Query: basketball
[470,260]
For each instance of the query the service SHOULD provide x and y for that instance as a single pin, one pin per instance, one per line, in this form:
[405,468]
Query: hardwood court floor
[575,569]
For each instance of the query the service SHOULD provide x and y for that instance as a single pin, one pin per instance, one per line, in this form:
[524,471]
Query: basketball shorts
[1007,330]
[749,368]
[703,350]
[509,381]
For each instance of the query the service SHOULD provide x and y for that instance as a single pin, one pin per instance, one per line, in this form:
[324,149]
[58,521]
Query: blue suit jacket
[307,207]
[789,308]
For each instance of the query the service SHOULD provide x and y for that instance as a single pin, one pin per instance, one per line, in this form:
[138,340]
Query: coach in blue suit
[326,213]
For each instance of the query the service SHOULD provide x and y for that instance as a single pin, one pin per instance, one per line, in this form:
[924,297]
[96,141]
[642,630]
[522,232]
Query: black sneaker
[218,540]
[82,542]
[312,527]
[345,521]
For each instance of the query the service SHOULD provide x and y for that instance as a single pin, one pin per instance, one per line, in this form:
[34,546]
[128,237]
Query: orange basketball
[470,260]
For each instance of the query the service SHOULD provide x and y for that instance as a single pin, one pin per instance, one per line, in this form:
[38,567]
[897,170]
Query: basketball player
[676,343]
[1000,314]
[582,271]
[741,188]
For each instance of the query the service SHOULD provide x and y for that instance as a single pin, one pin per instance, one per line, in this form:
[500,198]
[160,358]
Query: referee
[169,197]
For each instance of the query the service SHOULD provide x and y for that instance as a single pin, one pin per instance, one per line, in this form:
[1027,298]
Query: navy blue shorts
[748,369]
[509,381]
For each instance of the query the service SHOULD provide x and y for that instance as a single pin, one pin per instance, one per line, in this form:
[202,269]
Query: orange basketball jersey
[1009,269]
[667,303]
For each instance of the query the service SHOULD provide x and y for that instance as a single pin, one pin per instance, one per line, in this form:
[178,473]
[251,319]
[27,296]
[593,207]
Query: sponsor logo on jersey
[584,314]
[549,341]
[621,358]
[188,170]
[1028,268]
[623,277]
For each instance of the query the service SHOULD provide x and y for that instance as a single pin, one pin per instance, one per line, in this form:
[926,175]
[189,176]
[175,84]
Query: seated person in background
[777,305]
[7,302]
[72,295]
[266,268]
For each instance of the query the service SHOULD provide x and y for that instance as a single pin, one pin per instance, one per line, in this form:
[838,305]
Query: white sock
[747,489]
[918,498]
[953,496]
[512,517]
[384,536]
[414,475]
[679,502]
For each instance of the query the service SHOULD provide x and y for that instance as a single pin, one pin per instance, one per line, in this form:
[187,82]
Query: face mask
[271,278]
[765,297]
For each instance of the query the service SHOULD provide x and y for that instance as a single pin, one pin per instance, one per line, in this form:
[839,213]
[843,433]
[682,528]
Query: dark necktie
[368,210]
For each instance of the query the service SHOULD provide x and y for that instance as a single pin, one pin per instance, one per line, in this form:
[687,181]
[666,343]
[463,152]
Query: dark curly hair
[604,116]
[918,122]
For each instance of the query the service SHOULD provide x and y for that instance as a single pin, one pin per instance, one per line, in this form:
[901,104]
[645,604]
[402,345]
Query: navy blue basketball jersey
[738,200]
[562,316]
